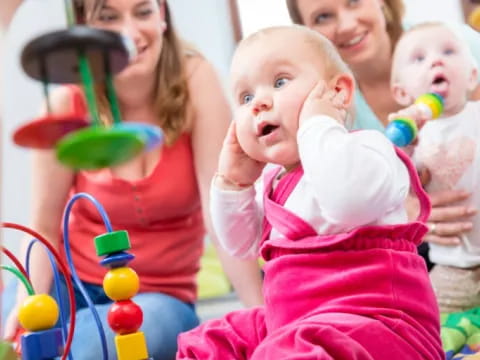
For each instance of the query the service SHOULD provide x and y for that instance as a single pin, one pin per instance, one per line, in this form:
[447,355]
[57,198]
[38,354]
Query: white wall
[256,14]
[212,34]
[207,24]
[428,10]
[21,99]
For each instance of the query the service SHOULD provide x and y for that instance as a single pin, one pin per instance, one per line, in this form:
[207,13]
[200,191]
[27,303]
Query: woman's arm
[211,115]
[51,183]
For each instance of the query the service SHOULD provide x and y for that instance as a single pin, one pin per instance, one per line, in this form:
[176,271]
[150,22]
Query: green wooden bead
[112,242]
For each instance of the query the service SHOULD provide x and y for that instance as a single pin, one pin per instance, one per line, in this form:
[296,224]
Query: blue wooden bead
[116,260]
[42,345]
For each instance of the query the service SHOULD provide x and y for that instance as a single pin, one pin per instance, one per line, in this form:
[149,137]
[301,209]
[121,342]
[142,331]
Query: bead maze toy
[39,312]
[87,56]
[403,131]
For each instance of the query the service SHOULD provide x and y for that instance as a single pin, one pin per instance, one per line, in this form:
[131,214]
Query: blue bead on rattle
[402,131]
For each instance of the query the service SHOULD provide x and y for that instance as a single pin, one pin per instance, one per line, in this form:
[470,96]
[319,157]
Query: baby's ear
[346,84]
[473,80]
[400,95]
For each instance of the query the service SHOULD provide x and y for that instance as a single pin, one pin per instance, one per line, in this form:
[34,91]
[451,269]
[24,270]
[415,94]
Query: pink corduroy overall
[358,295]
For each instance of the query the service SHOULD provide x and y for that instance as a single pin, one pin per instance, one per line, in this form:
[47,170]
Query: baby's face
[433,59]
[271,78]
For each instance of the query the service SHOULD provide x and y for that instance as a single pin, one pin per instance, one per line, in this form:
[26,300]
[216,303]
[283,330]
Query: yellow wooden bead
[38,312]
[121,283]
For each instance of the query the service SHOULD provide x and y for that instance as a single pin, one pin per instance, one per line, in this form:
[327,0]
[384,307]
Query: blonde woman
[365,33]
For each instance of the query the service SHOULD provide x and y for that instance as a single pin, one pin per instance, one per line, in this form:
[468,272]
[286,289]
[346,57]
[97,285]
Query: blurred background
[214,26]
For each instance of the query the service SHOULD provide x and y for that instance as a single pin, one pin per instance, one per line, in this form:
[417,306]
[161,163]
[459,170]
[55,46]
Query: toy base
[41,345]
[45,132]
[96,148]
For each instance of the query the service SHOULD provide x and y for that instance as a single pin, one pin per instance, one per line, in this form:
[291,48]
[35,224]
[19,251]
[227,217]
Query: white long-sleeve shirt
[449,149]
[350,179]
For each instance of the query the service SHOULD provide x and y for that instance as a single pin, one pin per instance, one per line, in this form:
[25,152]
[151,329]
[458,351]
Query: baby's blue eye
[280,82]
[418,58]
[448,52]
[247,98]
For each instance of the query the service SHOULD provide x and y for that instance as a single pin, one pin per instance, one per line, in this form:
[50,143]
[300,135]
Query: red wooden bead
[125,317]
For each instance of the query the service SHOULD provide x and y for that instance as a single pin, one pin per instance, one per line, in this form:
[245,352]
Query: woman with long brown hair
[158,197]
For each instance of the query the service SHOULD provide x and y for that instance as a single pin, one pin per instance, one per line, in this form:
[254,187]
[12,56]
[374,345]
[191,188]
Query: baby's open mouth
[267,129]
[440,85]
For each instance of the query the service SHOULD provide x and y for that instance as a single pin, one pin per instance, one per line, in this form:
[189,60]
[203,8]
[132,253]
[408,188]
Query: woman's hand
[448,220]
[236,170]
[11,324]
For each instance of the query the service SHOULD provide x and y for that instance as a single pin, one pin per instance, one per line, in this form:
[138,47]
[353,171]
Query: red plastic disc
[45,132]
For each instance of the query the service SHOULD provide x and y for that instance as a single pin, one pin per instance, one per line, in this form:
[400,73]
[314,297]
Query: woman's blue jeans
[164,318]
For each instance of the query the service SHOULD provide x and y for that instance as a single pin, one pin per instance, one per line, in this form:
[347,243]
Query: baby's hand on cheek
[236,170]
[324,101]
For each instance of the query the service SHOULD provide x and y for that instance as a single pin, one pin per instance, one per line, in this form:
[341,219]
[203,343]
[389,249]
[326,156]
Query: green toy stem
[85,71]
[21,277]
[87,78]
[112,97]
[89,85]
[69,12]
[47,97]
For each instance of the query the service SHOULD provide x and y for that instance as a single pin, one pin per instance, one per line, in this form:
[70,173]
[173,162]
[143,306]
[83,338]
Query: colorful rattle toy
[402,131]
[81,54]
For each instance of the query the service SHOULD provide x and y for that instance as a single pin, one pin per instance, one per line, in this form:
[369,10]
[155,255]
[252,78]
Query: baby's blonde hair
[333,62]
[334,65]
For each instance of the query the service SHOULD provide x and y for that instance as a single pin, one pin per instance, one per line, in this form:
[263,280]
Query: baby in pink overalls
[342,276]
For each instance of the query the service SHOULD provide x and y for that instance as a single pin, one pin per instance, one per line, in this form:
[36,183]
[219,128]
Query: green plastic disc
[112,242]
[98,147]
